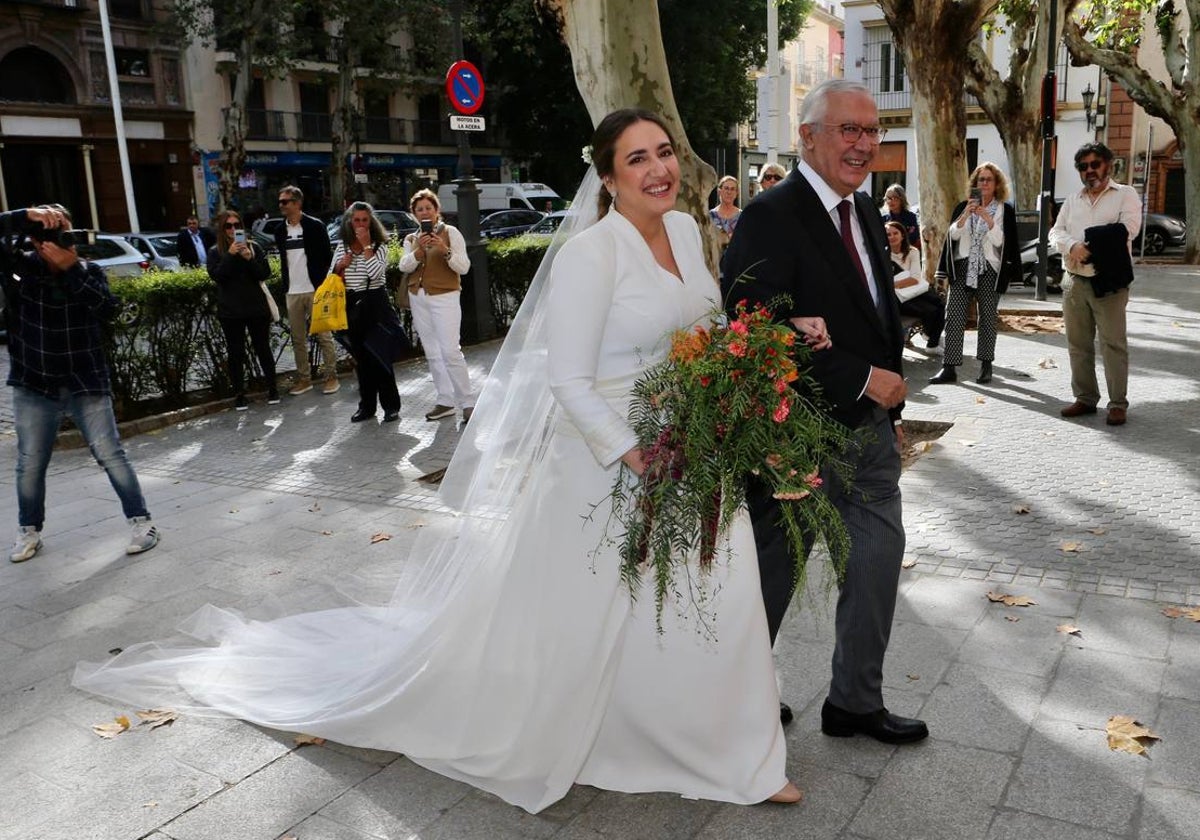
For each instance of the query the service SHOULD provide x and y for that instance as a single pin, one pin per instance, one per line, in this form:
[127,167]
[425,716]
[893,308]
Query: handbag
[329,306]
[909,292]
[272,306]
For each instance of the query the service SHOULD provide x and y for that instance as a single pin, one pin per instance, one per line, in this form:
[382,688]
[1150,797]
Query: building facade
[57,132]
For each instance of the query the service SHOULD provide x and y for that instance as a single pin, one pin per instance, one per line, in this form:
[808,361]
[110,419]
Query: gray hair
[816,103]
[771,168]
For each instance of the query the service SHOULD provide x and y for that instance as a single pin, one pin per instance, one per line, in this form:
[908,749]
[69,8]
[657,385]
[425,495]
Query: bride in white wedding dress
[510,655]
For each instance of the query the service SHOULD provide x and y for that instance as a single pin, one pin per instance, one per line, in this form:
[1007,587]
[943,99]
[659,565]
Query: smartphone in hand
[239,236]
[976,196]
[427,226]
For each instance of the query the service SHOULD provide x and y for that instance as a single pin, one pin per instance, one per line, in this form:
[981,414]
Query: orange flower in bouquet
[730,404]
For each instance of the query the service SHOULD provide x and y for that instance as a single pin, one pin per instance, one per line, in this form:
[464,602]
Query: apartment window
[131,9]
[883,68]
[132,62]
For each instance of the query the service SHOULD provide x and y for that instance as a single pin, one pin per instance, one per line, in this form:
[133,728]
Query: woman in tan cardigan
[435,258]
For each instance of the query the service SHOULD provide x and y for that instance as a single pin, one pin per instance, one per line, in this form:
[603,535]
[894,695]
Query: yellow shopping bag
[329,306]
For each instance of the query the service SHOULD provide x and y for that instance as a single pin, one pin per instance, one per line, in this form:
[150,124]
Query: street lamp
[1088,95]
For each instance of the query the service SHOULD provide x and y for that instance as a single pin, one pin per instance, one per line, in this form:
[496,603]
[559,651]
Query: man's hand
[49,218]
[57,257]
[886,388]
[1080,252]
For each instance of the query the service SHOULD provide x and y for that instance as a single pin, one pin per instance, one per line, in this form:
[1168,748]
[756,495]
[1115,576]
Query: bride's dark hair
[604,143]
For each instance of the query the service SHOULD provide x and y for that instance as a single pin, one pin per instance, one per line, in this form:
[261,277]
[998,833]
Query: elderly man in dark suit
[193,243]
[819,241]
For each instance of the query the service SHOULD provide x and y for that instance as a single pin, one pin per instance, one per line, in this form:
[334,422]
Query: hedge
[166,343]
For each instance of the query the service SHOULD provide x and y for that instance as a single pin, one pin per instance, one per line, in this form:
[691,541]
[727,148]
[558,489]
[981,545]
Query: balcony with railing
[313,127]
[70,5]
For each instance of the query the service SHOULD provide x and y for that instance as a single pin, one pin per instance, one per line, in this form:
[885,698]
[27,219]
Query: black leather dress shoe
[985,373]
[785,714]
[881,725]
[361,415]
[391,416]
[946,374]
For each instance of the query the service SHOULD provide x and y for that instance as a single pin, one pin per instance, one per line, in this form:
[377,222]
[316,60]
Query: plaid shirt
[55,335]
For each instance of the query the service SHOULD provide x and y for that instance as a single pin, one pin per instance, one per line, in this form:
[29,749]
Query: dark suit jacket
[1109,246]
[786,243]
[316,248]
[187,248]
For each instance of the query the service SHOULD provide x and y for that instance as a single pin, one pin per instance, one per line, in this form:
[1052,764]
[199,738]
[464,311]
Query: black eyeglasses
[771,177]
[233,225]
[284,201]
[1085,165]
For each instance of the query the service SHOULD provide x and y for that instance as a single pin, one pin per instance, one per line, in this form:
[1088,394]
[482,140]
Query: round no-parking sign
[464,86]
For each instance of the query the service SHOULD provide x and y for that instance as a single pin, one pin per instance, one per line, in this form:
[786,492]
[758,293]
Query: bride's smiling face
[645,171]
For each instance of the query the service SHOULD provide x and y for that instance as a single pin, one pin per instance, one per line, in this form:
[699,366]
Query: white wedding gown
[540,672]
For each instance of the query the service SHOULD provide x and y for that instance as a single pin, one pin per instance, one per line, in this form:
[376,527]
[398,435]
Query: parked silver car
[159,247]
[111,252]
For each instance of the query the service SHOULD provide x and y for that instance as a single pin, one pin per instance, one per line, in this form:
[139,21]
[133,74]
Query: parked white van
[493,197]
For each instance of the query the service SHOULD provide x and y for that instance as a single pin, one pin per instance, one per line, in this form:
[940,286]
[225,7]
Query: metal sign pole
[114,88]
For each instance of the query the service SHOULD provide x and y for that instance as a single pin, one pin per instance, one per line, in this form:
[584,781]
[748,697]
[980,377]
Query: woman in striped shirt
[361,260]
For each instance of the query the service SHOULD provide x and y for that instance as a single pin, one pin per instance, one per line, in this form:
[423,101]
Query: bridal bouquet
[719,410]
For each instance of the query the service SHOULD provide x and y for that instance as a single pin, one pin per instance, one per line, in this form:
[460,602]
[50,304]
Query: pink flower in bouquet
[782,411]
[781,386]
[739,327]
[813,480]
[737,348]
[774,460]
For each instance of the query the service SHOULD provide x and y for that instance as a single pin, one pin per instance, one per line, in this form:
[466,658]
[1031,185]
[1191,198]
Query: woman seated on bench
[926,306]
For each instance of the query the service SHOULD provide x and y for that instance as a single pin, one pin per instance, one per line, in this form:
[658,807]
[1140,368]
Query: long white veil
[263,670]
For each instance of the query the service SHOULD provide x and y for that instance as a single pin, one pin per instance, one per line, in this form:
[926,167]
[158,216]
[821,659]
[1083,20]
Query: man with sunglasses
[305,257]
[818,239]
[1086,310]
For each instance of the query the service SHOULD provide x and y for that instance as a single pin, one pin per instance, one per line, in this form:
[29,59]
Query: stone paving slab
[265,506]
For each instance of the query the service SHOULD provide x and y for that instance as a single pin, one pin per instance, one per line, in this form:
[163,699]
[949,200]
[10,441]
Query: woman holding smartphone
[435,258]
[239,268]
[361,260]
[979,257]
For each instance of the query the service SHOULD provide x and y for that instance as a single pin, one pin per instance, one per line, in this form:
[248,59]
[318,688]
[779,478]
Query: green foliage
[1107,22]
[166,340]
[712,46]
[511,266]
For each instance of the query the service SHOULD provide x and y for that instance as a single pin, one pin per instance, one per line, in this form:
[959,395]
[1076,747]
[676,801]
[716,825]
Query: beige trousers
[299,310]
[1085,316]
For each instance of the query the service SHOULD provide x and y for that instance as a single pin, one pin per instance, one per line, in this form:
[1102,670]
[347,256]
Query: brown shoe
[1077,409]
[1116,416]
[332,385]
[303,386]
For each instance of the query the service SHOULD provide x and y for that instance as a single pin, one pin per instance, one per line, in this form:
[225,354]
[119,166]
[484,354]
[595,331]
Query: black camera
[60,237]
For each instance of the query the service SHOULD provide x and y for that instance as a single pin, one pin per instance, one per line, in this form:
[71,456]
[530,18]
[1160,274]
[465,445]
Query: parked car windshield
[165,246]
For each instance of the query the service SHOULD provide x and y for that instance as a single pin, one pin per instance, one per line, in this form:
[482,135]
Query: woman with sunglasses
[980,256]
[771,174]
[239,268]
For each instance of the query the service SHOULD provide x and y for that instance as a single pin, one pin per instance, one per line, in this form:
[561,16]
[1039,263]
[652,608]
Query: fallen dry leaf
[1128,735]
[275,572]
[923,446]
[327,533]
[908,562]
[316,506]
[233,510]
[1069,629]
[1010,600]
[912,677]
[1020,509]
[111,730]
[1182,612]
[155,718]
[1013,618]
[380,537]
[1070,545]
[306,740]
[968,442]
[1046,363]
[1097,531]
[980,400]
[150,804]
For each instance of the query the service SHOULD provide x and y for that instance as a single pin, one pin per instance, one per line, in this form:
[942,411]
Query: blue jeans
[37,420]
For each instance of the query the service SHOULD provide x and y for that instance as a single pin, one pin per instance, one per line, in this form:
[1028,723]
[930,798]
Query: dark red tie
[844,210]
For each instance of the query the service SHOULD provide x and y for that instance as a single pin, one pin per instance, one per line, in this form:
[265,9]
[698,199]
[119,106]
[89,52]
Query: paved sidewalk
[268,503]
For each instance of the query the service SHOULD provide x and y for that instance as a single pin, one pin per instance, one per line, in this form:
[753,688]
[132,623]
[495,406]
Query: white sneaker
[143,536]
[29,540]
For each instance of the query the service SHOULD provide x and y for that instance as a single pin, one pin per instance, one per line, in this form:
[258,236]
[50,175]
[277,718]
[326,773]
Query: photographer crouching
[56,305]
